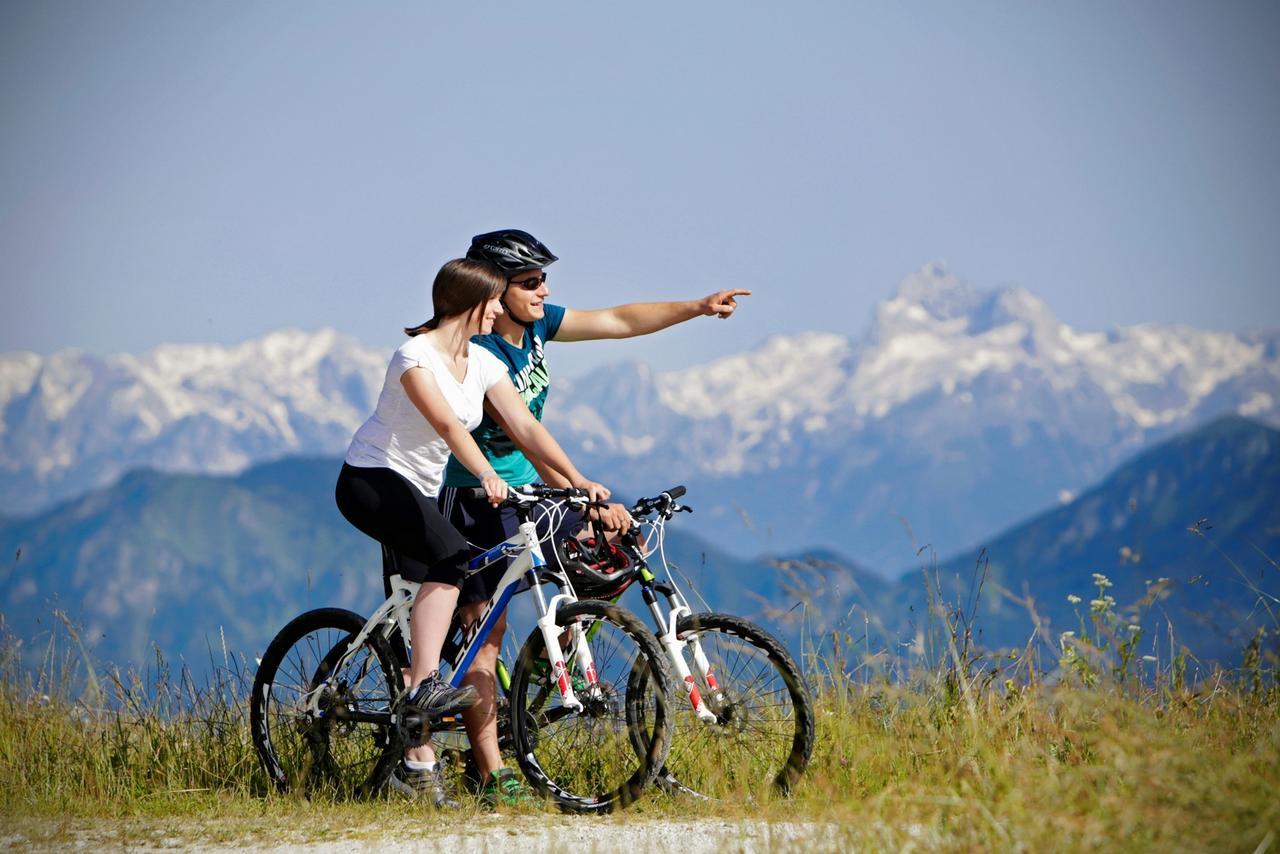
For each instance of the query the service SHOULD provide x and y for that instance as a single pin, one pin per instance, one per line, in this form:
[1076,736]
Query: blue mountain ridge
[1200,511]
[205,568]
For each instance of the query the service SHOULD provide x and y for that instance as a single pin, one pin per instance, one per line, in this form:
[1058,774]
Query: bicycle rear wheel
[317,748]
[763,733]
[603,756]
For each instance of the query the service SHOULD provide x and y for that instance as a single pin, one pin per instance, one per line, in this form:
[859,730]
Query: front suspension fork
[675,647]
[582,659]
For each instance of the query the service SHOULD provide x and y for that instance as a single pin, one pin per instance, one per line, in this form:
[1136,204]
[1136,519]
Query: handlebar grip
[478,493]
[675,492]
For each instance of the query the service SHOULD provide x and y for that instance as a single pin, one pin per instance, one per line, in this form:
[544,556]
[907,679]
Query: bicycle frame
[527,563]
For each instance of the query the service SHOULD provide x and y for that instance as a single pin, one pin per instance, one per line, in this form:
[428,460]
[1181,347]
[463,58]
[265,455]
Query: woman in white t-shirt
[432,397]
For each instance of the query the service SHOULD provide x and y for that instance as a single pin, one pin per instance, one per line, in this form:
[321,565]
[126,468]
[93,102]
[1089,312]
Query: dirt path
[587,834]
[489,833]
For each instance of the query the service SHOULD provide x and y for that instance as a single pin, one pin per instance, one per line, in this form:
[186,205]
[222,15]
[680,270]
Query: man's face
[526,291]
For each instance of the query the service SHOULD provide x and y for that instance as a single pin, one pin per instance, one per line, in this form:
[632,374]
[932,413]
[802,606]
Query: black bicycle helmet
[598,570]
[511,249]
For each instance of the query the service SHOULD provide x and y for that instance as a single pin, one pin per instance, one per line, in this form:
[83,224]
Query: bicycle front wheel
[320,713]
[762,736]
[602,756]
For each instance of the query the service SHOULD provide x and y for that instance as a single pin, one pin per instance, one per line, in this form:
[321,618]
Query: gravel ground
[485,834]
[596,834]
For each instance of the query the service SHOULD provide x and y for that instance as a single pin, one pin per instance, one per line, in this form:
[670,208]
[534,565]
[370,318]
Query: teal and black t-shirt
[527,367]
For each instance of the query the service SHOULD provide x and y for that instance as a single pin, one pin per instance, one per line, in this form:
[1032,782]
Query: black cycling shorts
[388,508]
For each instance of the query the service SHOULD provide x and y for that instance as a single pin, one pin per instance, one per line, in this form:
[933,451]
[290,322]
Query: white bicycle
[588,702]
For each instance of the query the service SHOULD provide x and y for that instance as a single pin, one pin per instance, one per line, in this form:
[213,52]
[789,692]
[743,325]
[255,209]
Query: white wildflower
[1134,627]
[1073,599]
[1101,580]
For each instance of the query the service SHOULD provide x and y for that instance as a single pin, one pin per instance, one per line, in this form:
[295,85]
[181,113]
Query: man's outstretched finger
[723,303]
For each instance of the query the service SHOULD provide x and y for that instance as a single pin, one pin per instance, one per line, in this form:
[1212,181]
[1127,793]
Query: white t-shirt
[399,437]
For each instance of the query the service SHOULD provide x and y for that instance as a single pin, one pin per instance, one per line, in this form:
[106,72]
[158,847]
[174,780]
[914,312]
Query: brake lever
[673,508]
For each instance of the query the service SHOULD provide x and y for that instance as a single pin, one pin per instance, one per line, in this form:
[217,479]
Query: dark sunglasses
[529,284]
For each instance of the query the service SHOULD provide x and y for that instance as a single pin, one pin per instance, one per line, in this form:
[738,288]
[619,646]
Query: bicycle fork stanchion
[704,667]
[551,632]
[674,646]
[675,651]
[555,655]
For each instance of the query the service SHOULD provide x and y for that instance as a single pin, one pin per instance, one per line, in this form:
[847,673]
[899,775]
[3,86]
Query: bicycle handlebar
[517,496]
[530,493]
[664,503]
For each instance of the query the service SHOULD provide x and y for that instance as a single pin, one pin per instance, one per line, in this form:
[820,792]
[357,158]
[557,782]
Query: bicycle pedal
[413,729]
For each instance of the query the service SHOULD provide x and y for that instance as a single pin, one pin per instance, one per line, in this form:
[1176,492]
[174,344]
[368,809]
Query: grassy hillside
[954,758]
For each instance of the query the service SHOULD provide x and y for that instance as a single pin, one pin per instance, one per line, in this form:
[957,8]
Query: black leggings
[385,506]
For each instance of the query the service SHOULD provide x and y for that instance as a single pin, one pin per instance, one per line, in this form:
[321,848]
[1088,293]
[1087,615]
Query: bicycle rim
[762,737]
[320,754]
[597,759]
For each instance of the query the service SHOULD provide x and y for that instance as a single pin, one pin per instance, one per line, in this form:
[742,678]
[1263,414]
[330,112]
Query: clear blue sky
[212,171]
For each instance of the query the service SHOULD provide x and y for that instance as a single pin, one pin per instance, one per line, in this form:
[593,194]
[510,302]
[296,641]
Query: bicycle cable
[552,511]
[661,531]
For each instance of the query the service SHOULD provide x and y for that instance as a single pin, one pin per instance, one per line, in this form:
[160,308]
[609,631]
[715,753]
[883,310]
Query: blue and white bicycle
[590,694]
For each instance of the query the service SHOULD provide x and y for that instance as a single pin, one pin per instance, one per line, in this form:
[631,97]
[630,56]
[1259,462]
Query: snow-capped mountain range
[73,422]
[958,412]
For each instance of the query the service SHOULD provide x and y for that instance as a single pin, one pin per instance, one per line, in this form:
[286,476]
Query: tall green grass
[77,741]
[1071,742]
[1061,766]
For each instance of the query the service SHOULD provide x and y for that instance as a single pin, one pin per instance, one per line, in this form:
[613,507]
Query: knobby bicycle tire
[763,735]
[311,754]
[595,760]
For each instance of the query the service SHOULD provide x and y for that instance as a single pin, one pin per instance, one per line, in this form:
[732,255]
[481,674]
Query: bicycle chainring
[412,727]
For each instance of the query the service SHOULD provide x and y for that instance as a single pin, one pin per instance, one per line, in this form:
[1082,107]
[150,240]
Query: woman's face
[526,304]
[489,312]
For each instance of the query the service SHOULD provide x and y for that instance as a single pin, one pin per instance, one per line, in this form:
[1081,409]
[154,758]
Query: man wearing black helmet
[518,339]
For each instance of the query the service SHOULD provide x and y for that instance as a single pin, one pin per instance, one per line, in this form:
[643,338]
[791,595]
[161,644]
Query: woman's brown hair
[461,285]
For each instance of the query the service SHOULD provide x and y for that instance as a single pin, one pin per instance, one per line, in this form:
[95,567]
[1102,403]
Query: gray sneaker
[426,786]
[436,698]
